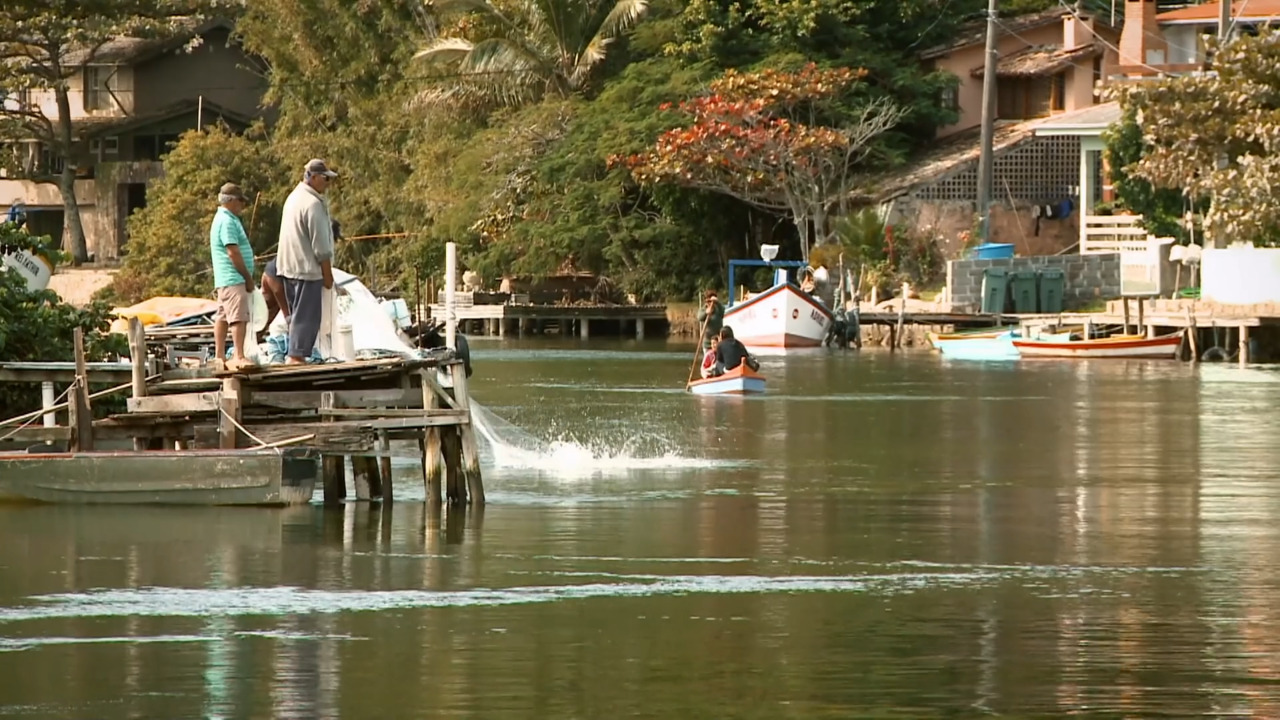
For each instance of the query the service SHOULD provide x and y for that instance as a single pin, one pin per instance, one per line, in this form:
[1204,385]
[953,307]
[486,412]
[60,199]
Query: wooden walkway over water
[349,413]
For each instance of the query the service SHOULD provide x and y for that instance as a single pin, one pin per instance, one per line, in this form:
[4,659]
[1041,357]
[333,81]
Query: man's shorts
[233,304]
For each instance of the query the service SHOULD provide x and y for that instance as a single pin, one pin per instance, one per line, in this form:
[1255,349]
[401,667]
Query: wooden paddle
[698,351]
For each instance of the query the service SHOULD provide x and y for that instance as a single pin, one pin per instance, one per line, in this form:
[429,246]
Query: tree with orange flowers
[766,138]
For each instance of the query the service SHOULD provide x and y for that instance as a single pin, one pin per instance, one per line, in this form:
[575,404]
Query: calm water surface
[878,537]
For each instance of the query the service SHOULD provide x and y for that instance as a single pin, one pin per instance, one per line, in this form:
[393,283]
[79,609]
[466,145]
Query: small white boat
[1118,346]
[741,380]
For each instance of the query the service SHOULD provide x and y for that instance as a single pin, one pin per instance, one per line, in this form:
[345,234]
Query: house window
[1058,93]
[105,146]
[1024,98]
[949,99]
[99,82]
[50,161]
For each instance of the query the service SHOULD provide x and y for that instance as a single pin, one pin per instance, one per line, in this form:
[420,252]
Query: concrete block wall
[1089,278]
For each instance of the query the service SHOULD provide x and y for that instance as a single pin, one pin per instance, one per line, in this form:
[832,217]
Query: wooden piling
[1125,301]
[229,413]
[1243,331]
[1191,331]
[455,490]
[639,328]
[467,431]
[365,477]
[902,316]
[1141,323]
[429,444]
[334,475]
[386,491]
[138,359]
[81,412]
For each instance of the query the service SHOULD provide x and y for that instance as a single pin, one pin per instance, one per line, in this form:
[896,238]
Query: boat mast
[986,159]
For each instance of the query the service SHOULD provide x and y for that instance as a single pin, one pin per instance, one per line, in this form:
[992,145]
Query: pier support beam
[584,328]
[333,472]
[228,413]
[467,431]
[386,491]
[639,328]
[430,444]
[366,480]
[1244,345]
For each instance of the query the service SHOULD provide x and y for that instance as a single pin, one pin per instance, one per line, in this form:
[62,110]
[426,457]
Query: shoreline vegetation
[483,124]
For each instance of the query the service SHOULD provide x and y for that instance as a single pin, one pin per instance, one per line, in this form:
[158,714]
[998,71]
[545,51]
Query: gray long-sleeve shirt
[306,235]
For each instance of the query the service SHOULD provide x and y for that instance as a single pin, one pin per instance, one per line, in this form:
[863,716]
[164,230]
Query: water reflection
[900,539]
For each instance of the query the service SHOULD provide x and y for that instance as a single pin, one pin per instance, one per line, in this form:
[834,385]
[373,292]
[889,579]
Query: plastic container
[398,311]
[1022,283]
[1053,283]
[995,290]
[344,346]
[993,251]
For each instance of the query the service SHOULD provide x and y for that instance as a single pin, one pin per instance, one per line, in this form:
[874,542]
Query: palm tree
[528,49]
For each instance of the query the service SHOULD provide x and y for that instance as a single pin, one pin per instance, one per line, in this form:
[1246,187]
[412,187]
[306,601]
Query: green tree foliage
[44,44]
[169,238]
[342,83]
[1160,208]
[511,53]
[1217,137]
[38,327]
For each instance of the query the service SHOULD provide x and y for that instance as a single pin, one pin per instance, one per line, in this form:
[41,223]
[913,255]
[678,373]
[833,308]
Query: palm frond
[445,51]
[622,16]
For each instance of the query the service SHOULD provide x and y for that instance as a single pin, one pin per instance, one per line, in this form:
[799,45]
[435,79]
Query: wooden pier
[346,413]
[499,314]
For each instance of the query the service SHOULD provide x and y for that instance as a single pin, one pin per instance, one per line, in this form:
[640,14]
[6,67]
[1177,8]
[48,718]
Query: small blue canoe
[741,380]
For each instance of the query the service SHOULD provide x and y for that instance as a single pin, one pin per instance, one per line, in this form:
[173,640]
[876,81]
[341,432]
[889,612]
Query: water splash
[508,446]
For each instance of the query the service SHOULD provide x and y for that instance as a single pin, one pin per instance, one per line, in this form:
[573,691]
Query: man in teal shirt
[232,259]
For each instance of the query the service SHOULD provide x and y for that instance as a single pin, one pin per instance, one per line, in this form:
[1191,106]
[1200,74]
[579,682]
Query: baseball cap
[318,167]
[232,190]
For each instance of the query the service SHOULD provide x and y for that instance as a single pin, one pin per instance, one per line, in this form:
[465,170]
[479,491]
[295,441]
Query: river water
[879,536]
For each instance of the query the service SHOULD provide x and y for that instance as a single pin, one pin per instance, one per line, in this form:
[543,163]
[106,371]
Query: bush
[39,327]
[168,252]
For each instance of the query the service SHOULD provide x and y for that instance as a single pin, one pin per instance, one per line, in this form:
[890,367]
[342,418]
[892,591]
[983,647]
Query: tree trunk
[802,225]
[73,230]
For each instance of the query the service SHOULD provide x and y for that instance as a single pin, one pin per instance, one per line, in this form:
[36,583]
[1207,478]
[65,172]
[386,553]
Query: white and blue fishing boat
[741,380]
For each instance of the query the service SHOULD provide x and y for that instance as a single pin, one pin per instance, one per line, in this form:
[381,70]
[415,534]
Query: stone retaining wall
[1089,278]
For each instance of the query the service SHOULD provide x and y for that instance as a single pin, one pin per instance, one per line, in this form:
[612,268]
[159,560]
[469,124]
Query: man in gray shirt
[305,256]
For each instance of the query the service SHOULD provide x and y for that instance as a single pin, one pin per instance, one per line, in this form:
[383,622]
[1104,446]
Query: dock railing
[1112,234]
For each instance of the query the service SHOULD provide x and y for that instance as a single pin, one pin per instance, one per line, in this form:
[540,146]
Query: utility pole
[1224,20]
[986,160]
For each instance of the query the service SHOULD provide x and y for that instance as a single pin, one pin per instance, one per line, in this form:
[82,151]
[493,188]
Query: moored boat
[784,316]
[284,476]
[1117,346]
[741,380]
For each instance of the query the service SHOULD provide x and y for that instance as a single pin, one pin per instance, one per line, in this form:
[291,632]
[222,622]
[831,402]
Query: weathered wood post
[1191,333]
[639,328]
[81,412]
[1243,332]
[902,317]
[385,490]
[138,359]
[429,444]
[229,413]
[1125,300]
[470,452]
[450,291]
[333,468]
[455,491]
[365,478]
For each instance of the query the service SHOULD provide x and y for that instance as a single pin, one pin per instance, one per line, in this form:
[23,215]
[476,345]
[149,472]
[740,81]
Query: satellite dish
[768,252]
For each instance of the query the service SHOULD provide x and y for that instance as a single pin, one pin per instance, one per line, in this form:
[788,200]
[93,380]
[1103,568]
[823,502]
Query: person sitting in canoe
[710,367]
[731,353]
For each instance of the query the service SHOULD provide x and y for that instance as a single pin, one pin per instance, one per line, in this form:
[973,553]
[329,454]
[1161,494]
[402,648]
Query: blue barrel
[992,251]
